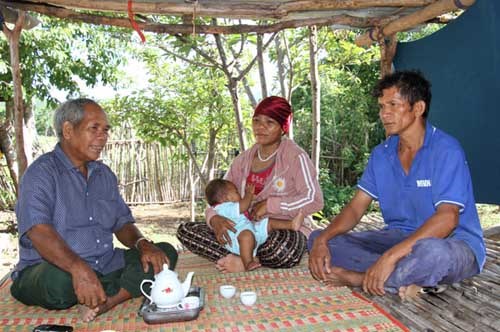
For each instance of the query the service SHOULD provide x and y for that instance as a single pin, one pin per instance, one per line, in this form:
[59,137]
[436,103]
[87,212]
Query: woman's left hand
[259,210]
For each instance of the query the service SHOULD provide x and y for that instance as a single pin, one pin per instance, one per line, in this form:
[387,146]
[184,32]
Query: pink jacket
[291,187]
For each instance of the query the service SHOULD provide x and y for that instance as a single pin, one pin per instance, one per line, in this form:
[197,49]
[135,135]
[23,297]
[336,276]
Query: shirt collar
[429,132]
[391,142]
[65,163]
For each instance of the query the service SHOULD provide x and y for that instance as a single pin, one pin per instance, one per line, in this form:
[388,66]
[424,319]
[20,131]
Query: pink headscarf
[276,108]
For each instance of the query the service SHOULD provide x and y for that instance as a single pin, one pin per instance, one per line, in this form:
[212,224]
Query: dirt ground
[157,222]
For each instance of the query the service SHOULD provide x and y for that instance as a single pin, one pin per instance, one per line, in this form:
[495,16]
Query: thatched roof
[384,17]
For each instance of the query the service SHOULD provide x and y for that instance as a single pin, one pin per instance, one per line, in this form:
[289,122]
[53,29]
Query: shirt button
[90,218]
[87,193]
[97,262]
[98,241]
[105,246]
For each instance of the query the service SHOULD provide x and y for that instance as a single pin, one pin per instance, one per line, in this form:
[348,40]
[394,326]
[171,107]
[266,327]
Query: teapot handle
[145,281]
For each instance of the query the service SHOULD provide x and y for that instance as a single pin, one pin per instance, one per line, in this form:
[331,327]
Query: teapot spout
[187,283]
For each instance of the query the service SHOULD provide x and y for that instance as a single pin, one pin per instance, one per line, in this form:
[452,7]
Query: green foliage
[56,54]
[335,197]
[349,115]
[181,104]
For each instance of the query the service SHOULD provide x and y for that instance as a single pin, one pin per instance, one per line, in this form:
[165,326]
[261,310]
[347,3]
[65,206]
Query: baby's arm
[247,198]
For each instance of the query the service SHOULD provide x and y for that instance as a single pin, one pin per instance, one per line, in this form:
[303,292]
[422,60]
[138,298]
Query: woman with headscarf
[285,184]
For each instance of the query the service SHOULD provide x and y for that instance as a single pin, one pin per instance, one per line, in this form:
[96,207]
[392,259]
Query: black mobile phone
[53,328]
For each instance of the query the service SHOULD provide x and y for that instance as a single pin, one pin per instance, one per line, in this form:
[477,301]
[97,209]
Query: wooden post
[316,96]
[13,40]
[387,52]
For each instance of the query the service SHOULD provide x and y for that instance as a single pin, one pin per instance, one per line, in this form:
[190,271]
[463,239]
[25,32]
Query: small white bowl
[248,298]
[227,291]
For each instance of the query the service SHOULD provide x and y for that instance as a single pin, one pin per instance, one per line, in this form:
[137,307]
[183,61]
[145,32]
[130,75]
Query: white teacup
[227,291]
[190,302]
[248,298]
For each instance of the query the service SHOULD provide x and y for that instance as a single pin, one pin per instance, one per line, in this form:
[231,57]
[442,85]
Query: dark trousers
[48,286]
[432,261]
[282,249]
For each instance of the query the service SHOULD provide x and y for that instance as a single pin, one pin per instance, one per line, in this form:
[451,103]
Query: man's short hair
[73,111]
[215,192]
[412,85]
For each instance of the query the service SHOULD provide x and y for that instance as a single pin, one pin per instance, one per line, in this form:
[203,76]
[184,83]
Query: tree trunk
[7,148]
[262,71]
[246,86]
[248,89]
[29,133]
[281,66]
[192,157]
[13,39]
[192,186]
[315,94]
[233,90]
[211,153]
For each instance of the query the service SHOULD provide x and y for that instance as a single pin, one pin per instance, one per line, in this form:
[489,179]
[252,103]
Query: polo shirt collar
[429,132]
[65,163]
[391,143]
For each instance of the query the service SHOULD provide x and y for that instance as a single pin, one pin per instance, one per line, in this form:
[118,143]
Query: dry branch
[412,20]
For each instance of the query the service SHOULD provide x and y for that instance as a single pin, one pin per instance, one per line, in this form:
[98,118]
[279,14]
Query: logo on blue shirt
[424,183]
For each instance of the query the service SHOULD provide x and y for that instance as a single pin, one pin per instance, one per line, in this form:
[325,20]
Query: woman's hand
[259,210]
[221,226]
[319,260]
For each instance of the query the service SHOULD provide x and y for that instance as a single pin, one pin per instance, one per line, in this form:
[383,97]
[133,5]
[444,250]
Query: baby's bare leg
[294,224]
[246,240]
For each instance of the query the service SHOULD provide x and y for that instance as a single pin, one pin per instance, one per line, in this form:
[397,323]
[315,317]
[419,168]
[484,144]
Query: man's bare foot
[409,292]
[229,264]
[297,221]
[253,265]
[88,314]
[342,277]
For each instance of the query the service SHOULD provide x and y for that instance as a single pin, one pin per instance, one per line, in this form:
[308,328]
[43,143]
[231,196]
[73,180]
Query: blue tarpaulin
[462,61]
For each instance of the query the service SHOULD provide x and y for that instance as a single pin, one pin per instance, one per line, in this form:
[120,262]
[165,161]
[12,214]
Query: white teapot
[166,290]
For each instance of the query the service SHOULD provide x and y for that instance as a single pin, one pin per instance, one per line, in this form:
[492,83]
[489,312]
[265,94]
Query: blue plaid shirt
[85,212]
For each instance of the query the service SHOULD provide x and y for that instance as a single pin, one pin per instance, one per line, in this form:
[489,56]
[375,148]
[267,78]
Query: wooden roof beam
[412,20]
[63,13]
[236,9]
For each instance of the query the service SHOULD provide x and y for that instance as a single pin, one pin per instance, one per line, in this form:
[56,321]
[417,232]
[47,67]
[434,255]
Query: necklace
[268,157]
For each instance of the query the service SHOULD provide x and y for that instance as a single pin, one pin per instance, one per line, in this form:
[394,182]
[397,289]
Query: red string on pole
[134,23]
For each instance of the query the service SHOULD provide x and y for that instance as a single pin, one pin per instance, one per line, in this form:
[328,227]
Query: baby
[224,197]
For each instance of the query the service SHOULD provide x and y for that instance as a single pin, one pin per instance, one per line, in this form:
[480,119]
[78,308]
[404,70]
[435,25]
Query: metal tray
[153,315]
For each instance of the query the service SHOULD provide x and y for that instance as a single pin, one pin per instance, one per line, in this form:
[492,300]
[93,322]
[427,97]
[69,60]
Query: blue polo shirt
[438,174]
[85,212]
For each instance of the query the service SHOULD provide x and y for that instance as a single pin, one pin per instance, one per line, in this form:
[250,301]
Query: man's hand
[377,275]
[319,259]
[221,226]
[259,210]
[152,254]
[88,288]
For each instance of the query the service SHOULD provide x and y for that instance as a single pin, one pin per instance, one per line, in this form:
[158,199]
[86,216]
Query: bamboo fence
[147,173]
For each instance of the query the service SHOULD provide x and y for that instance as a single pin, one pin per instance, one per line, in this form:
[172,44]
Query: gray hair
[73,111]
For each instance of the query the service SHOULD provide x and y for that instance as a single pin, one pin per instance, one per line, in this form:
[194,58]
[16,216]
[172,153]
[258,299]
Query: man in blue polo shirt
[421,179]
[68,210]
